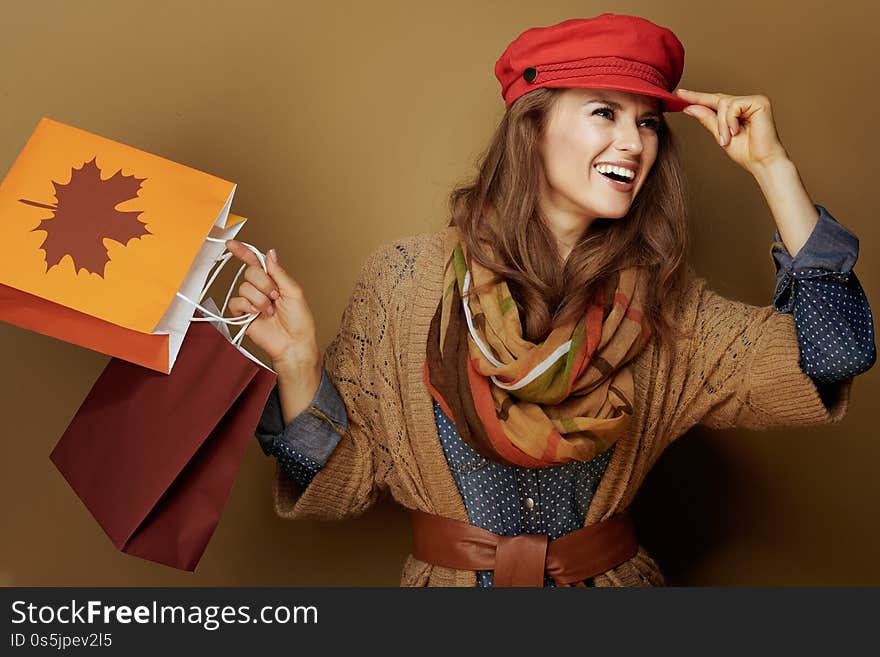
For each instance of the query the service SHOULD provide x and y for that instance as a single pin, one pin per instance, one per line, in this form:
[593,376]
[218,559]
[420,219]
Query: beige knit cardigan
[740,370]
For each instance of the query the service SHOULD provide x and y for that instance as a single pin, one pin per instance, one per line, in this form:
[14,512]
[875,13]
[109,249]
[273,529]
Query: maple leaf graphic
[85,215]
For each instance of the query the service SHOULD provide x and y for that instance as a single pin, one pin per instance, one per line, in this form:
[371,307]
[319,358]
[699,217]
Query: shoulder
[407,252]
[692,293]
[697,301]
[393,266]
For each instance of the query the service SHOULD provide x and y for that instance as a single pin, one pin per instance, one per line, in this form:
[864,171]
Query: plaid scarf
[565,399]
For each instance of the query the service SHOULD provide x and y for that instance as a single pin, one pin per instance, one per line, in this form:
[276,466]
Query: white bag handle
[244,320]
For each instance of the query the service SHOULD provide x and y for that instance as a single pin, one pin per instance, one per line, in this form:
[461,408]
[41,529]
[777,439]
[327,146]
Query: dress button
[530,503]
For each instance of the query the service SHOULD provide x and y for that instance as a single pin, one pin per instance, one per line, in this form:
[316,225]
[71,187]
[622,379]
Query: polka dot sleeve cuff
[830,309]
[303,446]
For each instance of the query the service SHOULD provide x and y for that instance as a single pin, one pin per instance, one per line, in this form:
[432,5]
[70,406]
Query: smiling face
[592,137]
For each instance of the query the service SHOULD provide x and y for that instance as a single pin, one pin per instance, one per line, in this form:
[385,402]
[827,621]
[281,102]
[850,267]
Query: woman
[512,378]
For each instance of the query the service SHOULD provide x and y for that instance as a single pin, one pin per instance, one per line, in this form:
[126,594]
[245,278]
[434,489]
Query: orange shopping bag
[105,243]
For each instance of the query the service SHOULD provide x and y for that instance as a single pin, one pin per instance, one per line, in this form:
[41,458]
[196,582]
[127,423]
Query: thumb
[286,285]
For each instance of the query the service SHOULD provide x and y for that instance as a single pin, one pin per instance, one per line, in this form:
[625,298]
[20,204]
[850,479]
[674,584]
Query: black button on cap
[530,74]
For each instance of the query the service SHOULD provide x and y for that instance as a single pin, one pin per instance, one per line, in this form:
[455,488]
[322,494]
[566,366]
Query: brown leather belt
[522,560]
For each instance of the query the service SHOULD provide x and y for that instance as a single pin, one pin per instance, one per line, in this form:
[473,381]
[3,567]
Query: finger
[700,97]
[241,306]
[257,298]
[262,281]
[721,120]
[243,253]
[747,106]
[283,280]
[732,117]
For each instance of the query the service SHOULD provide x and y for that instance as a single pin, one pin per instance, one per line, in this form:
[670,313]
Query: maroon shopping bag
[153,456]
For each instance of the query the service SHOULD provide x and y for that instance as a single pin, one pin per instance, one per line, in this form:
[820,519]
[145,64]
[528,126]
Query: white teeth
[620,171]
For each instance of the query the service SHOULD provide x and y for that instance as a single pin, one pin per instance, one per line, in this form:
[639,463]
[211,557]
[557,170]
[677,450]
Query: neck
[565,220]
[567,227]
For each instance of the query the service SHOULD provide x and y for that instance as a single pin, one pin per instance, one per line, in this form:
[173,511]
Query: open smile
[616,181]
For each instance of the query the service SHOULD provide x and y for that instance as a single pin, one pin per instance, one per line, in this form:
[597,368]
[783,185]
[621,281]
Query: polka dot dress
[511,500]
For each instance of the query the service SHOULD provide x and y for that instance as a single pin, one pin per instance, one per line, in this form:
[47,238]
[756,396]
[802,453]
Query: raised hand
[742,125]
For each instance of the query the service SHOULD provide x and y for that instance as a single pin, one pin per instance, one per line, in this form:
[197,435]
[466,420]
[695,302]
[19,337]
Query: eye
[653,124]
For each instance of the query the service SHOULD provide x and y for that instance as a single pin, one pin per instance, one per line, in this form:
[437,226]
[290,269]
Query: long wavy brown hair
[500,207]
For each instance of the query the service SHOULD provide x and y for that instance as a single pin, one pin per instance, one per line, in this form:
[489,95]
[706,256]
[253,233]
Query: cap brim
[671,102]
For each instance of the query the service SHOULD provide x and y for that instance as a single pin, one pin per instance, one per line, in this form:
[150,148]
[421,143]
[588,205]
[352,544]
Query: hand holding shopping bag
[285,328]
[154,456]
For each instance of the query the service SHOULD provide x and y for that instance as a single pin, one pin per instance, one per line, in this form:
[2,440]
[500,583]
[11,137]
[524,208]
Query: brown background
[345,126]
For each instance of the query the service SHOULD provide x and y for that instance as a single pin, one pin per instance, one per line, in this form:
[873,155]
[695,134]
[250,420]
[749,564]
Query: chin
[608,210]
[617,215]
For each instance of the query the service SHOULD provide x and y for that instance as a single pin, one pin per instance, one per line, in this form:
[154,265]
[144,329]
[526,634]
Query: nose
[629,138]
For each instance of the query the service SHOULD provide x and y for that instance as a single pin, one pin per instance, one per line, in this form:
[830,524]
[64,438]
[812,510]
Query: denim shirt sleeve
[303,446]
[831,312]
[831,248]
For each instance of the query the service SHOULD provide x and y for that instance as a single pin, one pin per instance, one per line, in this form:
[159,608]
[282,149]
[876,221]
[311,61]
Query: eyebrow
[617,106]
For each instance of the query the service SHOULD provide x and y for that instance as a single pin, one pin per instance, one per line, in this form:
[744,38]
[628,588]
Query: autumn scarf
[565,399]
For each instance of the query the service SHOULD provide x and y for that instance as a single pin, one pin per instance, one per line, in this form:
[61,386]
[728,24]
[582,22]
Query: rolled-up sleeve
[819,288]
[303,446]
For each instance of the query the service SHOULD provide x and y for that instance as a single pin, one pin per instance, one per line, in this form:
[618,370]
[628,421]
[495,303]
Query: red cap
[610,51]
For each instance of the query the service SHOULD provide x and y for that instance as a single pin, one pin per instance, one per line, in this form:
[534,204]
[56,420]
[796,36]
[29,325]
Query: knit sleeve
[347,485]
[742,365]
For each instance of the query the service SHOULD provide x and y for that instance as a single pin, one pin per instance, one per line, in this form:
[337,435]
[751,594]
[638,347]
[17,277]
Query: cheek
[568,156]
[651,150]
